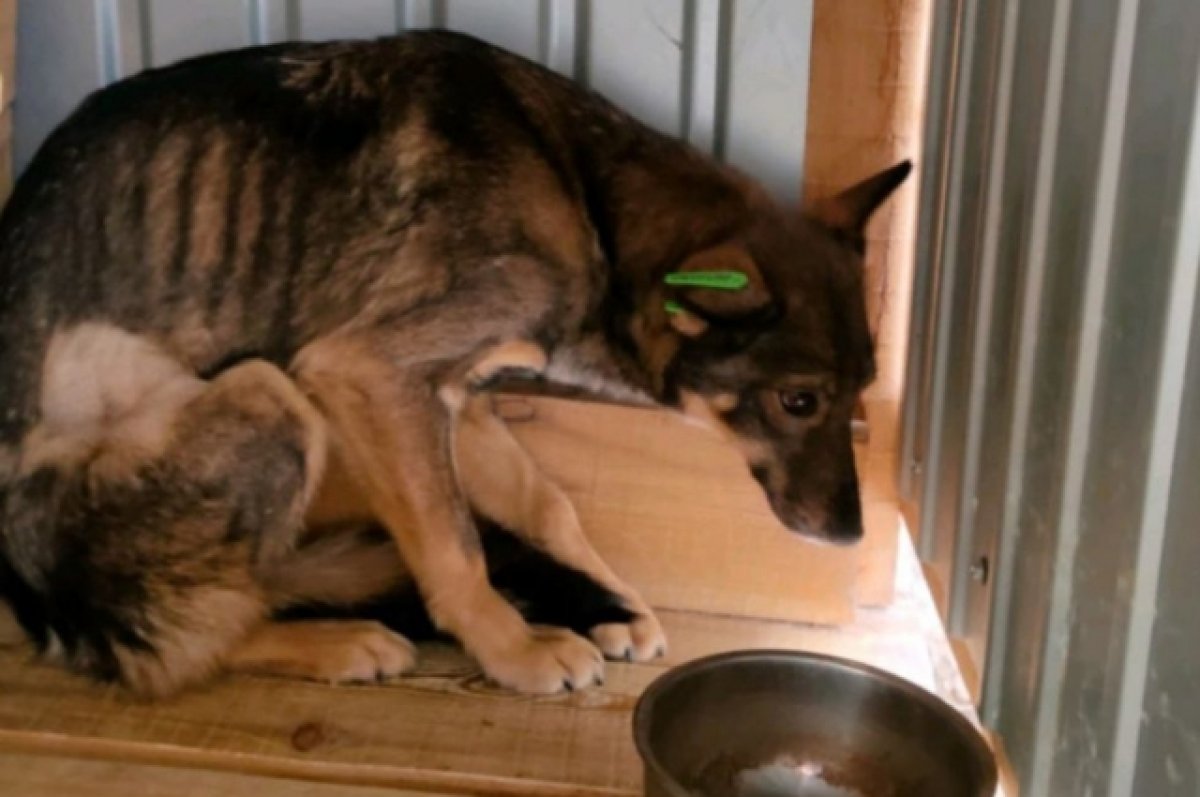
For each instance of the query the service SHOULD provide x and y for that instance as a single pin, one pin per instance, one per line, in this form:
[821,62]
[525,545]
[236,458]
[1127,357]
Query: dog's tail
[130,590]
[26,552]
[10,584]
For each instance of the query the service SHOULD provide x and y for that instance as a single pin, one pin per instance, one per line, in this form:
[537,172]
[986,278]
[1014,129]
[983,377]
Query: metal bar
[944,57]
[256,21]
[944,286]
[558,26]
[581,69]
[1152,530]
[271,21]
[1027,344]
[293,20]
[106,34]
[984,323]
[700,92]
[146,31]
[1099,260]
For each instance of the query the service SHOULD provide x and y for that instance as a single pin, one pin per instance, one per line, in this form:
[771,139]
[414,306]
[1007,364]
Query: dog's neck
[655,201]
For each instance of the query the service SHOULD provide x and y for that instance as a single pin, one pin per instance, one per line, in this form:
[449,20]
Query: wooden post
[8,87]
[865,100]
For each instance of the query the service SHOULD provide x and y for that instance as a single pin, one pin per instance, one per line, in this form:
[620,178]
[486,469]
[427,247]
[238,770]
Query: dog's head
[778,363]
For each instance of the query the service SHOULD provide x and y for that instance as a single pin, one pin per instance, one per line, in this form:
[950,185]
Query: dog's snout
[846,525]
[836,520]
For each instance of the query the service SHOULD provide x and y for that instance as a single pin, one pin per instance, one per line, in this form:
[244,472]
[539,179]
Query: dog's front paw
[546,661]
[640,639]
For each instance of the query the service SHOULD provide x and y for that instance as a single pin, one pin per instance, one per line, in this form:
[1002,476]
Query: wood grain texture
[865,102]
[675,512]
[443,730]
[55,776]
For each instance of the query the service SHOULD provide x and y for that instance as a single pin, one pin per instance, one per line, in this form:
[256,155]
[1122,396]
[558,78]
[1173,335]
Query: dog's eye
[799,403]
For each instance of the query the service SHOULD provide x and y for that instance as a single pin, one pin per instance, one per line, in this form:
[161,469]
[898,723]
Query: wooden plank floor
[443,731]
[44,776]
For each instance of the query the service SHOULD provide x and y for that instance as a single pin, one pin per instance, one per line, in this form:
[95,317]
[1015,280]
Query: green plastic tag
[673,307]
[717,280]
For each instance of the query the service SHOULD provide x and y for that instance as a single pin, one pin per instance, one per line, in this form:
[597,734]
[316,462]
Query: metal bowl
[789,724]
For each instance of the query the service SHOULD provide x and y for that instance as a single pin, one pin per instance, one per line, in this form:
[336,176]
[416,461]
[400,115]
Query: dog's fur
[250,305]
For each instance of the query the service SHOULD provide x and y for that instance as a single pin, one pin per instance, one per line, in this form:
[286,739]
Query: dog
[251,309]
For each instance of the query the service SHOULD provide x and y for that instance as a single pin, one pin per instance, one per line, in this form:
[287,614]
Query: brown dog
[252,302]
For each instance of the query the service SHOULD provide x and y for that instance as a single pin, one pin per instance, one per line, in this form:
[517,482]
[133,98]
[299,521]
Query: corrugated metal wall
[729,75]
[1052,416]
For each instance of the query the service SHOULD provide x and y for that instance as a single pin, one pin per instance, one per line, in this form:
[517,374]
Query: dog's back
[245,202]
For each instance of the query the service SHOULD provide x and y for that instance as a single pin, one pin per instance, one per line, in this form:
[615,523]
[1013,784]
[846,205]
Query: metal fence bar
[945,41]
[966,568]
[1163,456]
[944,284]
[1027,335]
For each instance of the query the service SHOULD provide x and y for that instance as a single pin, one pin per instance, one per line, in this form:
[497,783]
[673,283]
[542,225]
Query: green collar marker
[717,280]
[673,307]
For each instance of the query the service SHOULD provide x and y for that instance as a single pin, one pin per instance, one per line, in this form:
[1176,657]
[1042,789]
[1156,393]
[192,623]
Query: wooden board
[875,584]
[674,510]
[31,775]
[8,88]
[8,52]
[866,100]
[442,731]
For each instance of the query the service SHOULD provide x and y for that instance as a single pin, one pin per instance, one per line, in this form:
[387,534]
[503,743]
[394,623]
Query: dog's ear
[847,213]
[718,284]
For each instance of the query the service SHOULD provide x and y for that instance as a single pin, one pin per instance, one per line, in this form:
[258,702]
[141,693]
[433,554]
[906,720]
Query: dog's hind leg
[275,414]
[158,566]
[149,506]
[503,483]
[336,651]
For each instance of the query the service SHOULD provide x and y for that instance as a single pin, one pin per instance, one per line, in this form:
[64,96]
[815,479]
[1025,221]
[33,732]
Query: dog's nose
[816,525]
[845,517]
[837,520]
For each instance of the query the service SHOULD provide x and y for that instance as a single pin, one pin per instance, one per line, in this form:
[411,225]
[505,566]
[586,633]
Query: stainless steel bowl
[788,724]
